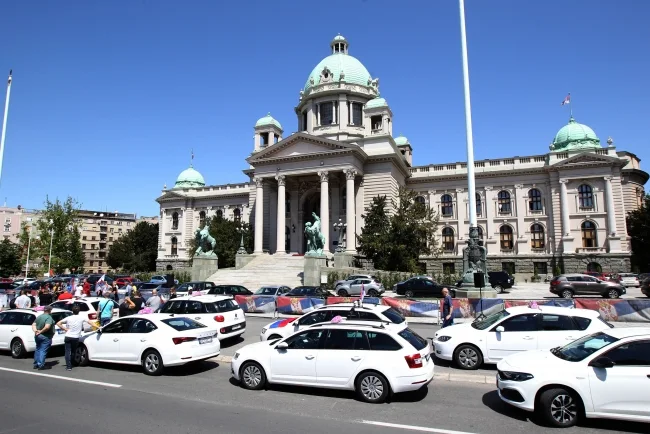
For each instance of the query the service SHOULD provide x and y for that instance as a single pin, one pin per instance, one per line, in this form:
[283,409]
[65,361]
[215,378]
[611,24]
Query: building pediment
[301,145]
[171,195]
[588,159]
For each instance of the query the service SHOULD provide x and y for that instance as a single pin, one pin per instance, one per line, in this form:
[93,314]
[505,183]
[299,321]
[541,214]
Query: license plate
[205,340]
[236,327]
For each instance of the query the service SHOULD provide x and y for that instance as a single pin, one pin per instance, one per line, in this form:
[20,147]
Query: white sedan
[16,331]
[88,307]
[153,341]
[603,375]
[513,330]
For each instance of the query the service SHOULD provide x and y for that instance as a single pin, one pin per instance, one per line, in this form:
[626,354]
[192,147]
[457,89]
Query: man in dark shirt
[447,309]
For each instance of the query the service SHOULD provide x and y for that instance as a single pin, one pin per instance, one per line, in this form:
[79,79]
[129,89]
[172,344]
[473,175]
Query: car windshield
[181,324]
[394,316]
[266,290]
[584,347]
[482,324]
[302,290]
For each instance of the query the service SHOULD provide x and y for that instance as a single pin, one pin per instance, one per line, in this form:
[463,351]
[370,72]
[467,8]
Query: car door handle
[309,357]
[570,338]
[355,358]
[13,330]
[528,338]
[115,340]
[143,340]
[197,317]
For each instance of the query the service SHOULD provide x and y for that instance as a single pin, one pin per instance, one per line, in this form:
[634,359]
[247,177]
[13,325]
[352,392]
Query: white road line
[57,377]
[413,427]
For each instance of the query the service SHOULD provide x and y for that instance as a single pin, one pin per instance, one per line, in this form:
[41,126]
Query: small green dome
[339,38]
[266,121]
[376,102]
[353,70]
[575,136]
[189,178]
[401,140]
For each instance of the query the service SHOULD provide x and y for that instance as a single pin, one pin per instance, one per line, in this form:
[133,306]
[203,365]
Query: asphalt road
[202,399]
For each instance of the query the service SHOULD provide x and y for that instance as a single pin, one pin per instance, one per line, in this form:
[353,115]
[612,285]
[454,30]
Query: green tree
[10,258]
[136,250]
[61,220]
[638,228]
[224,231]
[397,242]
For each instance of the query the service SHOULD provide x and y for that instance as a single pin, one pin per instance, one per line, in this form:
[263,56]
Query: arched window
[421,199]
[420,206]
[174,246]
[446,205]
[175,220]
[480,232]
[448,240]
[170,268]
[219,214]
[535,200]
[594,267]
[479,205]
[505,206]
[505,233]
[202,218]
[586,196]
[537,236]
[237,215]
[588,229]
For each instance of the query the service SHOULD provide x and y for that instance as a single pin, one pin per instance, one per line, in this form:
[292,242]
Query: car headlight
[515,376]
[443,338]
[263,330]
[236,356]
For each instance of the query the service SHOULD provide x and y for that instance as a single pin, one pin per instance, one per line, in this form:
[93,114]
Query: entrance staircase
[264,270]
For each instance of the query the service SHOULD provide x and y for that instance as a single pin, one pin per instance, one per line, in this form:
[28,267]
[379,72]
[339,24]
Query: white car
[513,330]
[154,341]
[351,311]
[363,356]
[16,330]
[602,375]
[88,307]
[629,279]
[218,310]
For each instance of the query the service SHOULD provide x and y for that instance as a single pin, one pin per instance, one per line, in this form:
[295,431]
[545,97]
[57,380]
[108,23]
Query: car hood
[279,323]
[529,361]
[455,329]
[255,348]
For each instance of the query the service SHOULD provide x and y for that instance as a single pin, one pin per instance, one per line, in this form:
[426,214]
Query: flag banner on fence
[412,307]
[256,303]
[470,308]
[367,300]
[298,305]
[558,302]
[617,310]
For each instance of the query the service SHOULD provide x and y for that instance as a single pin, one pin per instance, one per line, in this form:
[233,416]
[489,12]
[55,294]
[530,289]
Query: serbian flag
[101,279]
[567,100]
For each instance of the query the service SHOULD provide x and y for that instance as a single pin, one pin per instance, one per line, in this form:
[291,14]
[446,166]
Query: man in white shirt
[23,302]
[73,326]
[79,291]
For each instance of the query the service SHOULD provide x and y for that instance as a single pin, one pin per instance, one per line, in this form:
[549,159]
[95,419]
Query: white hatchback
[602,375]
[513,330]
[367,357]
[154,341]
[16,332]
[211,309]
[88,307]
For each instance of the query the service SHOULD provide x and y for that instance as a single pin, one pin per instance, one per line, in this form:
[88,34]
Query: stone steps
[264,270]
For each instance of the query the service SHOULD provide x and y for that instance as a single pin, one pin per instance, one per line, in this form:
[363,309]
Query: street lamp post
[49,258]
[242,249]
[340,227]
[29,245]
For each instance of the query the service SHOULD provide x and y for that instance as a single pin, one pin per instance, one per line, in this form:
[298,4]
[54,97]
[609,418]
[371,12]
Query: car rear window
[581,322]
[95,305]
[413,338]
[182,324]
[393,316]
[221,306]
[382,342]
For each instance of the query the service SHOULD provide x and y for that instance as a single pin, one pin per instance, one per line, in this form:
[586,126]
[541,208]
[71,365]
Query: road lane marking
[413,427]
[58,377]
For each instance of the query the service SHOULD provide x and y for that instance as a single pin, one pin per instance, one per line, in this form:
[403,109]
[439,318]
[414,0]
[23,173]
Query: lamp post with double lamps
[340,227]
[49,258]
[242,249]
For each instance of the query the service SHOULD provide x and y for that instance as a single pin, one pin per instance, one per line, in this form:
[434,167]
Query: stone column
[259,215]
[282,197]
[343,111]
[325,208]
[350,213]
[334,117]
[318,115]
[564,209]
[611,211]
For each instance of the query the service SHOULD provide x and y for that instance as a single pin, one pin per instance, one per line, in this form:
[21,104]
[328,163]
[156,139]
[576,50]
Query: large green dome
[189,178]
[575,136]
[336,62]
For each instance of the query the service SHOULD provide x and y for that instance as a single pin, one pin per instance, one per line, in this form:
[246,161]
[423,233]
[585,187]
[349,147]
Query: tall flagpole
[4,124]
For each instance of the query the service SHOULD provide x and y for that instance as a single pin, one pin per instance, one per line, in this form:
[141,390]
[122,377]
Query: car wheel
[409,294]
[252,376]
[559,408]
[81,356]
[273,337]
[18,349]
[342,293]
[567,293]
[372,387]
[613,293]
[152,363]
[468,357]
[372,293]
[499,289]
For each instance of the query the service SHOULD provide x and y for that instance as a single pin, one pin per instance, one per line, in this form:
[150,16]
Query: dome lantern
[339,45]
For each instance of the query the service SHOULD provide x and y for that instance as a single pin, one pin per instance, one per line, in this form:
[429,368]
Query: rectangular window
[326,113]
[357,114]
[508,267]
[83,246]
[540,267]
[83,238]
[92,263]
[449,268]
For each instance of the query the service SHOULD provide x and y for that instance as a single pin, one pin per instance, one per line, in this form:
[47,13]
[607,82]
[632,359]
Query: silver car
[352,278]
[353,287]
[629,279]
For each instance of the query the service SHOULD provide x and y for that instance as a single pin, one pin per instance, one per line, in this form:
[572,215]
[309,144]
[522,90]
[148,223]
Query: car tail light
[181,340]
[414,361]
[223,330]
[92,316]
[219,318]
[555,282]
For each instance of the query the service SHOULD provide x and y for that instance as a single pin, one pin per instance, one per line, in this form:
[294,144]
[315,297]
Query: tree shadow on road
[172,371]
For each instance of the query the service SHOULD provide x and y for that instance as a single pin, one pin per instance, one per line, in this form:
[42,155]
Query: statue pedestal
[241,260]
[204,267]
[467,290]
[313,265]
[343,260]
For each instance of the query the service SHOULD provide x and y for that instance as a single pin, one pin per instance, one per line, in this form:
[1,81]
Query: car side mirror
[500,329]
[282,346]
[602,362]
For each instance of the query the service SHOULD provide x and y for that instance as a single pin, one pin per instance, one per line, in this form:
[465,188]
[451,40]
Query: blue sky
[110,97]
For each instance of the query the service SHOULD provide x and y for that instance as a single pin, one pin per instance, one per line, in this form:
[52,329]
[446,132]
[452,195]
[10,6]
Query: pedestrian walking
[154,301]
[447,309]
[105,308]
[73,326]
[23,301]
[43,329]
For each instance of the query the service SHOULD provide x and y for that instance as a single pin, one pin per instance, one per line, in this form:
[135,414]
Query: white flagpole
[4,124]
[471,184]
